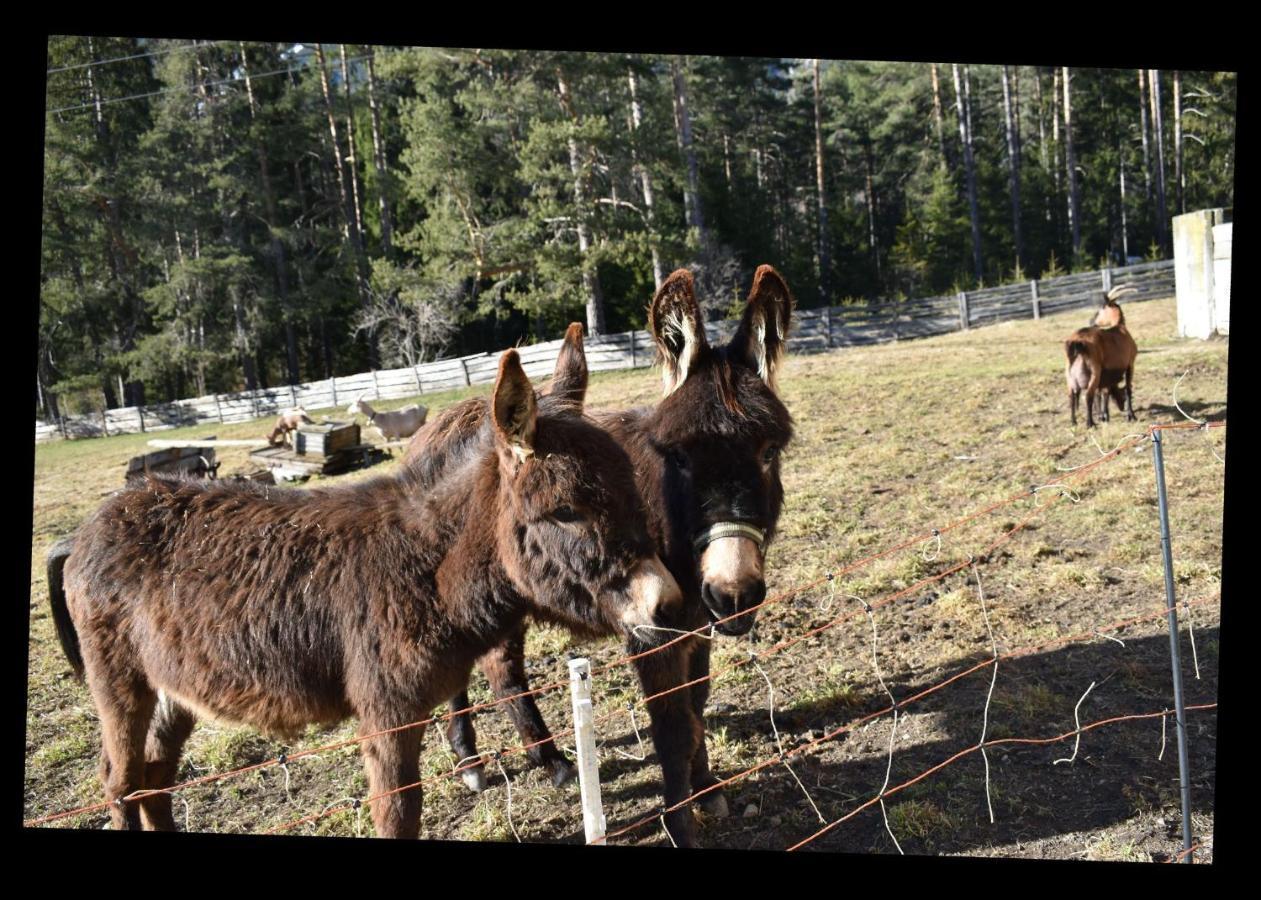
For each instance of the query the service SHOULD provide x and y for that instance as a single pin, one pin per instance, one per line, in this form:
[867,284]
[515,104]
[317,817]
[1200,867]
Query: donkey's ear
[569,380]
[761,337]
[513,407]
[678,328]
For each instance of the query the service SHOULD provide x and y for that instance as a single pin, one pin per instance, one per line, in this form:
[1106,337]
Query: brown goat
[288,422]
[707,468]
[1097,358]
[237,602]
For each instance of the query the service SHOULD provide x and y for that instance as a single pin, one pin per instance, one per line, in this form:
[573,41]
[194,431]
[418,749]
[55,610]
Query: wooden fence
[813,330]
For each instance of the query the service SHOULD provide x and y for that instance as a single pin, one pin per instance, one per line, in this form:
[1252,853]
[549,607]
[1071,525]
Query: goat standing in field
[288,422]
[181,599]
[395,424]
[1097,357]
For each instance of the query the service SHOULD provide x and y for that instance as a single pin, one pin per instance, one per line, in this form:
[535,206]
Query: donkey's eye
[769,455]
[565,514]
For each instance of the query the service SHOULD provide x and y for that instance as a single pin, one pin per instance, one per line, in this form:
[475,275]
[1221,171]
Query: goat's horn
[1122,291]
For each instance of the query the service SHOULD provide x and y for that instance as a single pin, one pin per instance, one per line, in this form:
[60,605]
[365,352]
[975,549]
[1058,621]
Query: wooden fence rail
[813,330]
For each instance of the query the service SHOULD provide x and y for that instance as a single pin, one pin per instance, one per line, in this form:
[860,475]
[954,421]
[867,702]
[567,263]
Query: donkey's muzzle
[655,598]
[731,575]
[722,603]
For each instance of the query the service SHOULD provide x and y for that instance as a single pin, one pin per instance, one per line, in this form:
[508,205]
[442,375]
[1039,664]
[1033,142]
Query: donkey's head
[720,429]
[572,534]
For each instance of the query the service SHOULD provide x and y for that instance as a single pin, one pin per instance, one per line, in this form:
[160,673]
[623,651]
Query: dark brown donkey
[284,608]
[707,467]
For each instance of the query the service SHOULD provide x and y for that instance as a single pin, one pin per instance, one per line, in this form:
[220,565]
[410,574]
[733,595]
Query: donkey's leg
[505,670]
[463,739]
[713,802]
[676,732]
[125,705]
[393,765]
[170,728]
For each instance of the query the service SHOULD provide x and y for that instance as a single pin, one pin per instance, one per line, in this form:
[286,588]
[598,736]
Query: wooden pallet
[198,460]
[288,464]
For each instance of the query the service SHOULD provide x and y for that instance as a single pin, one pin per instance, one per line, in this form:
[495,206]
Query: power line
[181,90]
[152,53]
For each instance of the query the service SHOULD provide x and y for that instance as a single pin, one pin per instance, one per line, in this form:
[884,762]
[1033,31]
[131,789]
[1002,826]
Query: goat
[395,424]
[288,422]
[1097,357]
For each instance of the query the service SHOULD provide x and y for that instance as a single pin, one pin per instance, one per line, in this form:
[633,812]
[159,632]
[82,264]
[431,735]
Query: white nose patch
[651,587]
[729,562]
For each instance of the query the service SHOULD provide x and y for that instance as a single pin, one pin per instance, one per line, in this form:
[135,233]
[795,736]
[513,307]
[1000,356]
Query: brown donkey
[707,467]
[284,608]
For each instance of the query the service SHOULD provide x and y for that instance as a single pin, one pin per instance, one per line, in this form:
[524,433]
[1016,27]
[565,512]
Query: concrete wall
[1221,276]
[1195,273]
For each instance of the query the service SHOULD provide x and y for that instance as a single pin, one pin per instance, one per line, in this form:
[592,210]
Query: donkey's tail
[66,635]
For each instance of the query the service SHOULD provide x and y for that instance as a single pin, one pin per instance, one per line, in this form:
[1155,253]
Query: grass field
[891,442]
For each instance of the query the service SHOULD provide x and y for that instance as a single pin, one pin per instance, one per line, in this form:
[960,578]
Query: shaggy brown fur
[708,452]
[281,608]
[1097,358]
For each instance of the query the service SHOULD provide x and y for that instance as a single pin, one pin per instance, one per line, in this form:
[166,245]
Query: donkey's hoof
[563,772]
[474,779]
[714,804]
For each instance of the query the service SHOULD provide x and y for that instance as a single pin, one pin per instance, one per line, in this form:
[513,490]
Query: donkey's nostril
[723,602]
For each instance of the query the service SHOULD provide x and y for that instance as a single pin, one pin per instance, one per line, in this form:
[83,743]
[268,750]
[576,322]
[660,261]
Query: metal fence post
[1184,779]
[584,741]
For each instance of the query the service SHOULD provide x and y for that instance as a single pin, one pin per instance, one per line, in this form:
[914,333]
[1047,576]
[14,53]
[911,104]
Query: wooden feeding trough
[323,449]
[198,461]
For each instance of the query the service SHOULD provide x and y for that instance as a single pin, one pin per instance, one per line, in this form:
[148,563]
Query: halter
[728,529]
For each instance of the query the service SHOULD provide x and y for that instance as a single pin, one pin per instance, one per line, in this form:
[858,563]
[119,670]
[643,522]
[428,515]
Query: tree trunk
[590,277]
[963,102]
[824,266]
[1147,158]
[241,339]
[1158,138]
[937,118]
[275,245]
[350,155]
[378,156]
[350,215]
[1013,164]
[645,180]
[1074,211]
[1125,238]
[683,128]
[347,214]
[869,164]
[1178,173]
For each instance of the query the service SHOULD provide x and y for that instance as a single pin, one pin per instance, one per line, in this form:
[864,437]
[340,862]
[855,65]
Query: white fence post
[584,740]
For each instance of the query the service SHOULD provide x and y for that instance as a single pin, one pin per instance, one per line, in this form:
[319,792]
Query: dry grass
[891,441]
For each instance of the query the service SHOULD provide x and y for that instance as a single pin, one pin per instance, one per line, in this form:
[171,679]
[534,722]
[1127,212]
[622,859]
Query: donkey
[234,601]
[707,467]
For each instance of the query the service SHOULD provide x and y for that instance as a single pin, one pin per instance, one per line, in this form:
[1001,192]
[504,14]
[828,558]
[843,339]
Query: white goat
[395,424]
